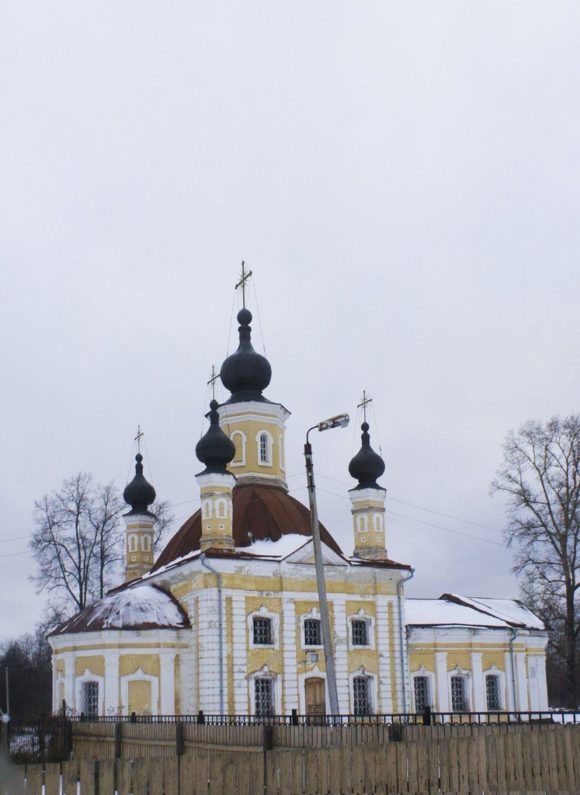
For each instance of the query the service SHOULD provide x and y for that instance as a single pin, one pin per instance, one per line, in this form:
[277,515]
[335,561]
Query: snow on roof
[457,610]
[509,610]
[284,546]
[137,607]
[432,612]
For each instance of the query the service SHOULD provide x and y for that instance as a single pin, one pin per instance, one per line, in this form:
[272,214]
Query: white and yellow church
[227,621]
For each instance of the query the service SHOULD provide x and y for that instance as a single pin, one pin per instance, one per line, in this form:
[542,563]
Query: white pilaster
[385,701]
[442,703]
[510,674]
[240,652]
[521,681]
[167,684]
[478,702]
[69,681]
[340,654]
[112,682]
[290,675]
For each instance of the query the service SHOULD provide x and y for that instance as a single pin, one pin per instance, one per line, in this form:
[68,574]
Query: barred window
[360,635]
[361,692]
[263,692]
[312,632]
[492,691]
[421,686]
[262,631]
[458,694]
[90,699]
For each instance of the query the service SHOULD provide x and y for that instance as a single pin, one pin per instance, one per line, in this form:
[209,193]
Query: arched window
[361,522]
[378,523]
[133,543]
[90,699]
[146,543]
[264,441]
[221,508]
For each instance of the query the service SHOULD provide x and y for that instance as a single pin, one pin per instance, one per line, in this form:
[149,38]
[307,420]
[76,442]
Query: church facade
[227,621]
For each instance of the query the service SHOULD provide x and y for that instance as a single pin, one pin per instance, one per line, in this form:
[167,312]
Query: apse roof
[465,611]
[260,513]
[138,607]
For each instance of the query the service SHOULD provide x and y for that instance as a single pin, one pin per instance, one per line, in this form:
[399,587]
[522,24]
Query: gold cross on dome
[212,379]
[366,399]
[138,438]
[242,283]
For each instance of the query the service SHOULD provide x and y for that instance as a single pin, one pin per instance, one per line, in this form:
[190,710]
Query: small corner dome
[139,493]
[245,373]
[367,466]
[215,449]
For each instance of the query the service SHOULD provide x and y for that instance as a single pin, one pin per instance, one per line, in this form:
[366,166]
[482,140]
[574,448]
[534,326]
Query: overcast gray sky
[403,179]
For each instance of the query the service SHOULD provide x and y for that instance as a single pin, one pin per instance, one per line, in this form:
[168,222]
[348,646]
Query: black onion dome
[245,373]
[367,465]
[139,493]
[215,449]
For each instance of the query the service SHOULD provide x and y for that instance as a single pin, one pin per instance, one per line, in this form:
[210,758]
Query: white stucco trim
[88,676]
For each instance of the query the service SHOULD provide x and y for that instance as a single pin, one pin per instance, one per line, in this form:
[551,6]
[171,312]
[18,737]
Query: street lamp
[339,421]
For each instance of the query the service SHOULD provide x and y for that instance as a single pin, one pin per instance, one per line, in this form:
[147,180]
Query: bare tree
[78,543]
[77,540]
[541,476]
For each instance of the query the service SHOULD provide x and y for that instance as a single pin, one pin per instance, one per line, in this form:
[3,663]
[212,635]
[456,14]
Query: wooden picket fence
[545,759]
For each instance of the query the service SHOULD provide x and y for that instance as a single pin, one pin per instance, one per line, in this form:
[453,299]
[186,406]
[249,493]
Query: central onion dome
[245,373]
[215,449]
[367,465]
[139,493]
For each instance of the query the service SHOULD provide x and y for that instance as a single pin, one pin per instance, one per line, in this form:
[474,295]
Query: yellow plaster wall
[458,658]
[368,658]
[353,607]
[425,659]
[139,697]
[251,429]
[490,658]
[148,663]
[95,664]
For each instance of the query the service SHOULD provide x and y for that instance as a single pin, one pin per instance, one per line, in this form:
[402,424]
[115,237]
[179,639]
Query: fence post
[179,739]
[118,739]
[294,718]
[427,716]
[133,718]
[200,716]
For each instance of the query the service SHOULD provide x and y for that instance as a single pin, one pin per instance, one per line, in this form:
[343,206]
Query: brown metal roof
[260,512]
[129,607]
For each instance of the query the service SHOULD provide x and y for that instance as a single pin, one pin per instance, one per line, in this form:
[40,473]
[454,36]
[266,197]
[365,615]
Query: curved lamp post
[339,421]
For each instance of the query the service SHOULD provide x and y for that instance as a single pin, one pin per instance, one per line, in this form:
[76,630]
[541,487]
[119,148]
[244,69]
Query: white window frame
[372,693]
[88,676]
[268,435]
[140,676]
[370,622]
[145,542]
[133,543]
[315,615]
[263,612]
[430,676]
[494,671]
[282,453]
[265,673]
[239,462]
[466,675]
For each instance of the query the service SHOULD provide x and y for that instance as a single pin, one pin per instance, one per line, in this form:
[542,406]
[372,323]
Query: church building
[226,619]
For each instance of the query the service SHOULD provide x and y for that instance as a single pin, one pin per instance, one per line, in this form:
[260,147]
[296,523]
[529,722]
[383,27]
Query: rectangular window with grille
[361,692]
[262,631]
[458,694]
[90,699]
[264,697]
[312,632]
[492,691]
[421,686]
[360,634]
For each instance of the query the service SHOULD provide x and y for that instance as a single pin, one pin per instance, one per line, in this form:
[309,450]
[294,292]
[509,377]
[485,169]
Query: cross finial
[212,379]
[242,283]
[366,399]
[138,438]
